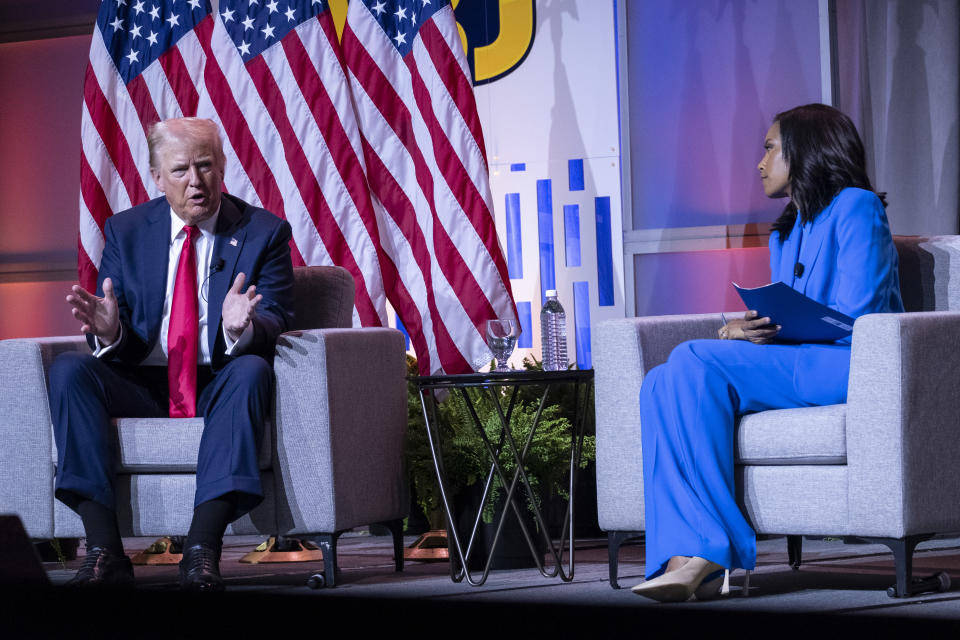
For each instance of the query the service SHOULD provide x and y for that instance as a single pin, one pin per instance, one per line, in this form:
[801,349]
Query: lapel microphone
[798,270]
[216,267]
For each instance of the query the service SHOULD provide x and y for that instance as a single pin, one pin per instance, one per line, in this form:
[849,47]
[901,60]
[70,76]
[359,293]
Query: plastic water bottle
[553,333]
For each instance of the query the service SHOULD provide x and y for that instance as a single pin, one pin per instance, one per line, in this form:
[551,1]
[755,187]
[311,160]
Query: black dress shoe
[200,569]
[103,568]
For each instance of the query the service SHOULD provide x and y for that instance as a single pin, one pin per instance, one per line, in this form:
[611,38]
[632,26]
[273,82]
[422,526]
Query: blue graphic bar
[571,234]
[518,166]
[525,341]
[406,336]
[575,169]
[514,237]
[604,251]
[581,323]
[548,276]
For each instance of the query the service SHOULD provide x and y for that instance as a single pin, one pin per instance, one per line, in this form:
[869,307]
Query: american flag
[270,74]
[273,76]
[427,171]
[145,63]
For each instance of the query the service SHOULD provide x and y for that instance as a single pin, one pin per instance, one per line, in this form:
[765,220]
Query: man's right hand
[98,316]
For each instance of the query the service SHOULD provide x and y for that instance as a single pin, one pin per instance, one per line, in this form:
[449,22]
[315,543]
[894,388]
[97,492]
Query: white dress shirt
[203,246]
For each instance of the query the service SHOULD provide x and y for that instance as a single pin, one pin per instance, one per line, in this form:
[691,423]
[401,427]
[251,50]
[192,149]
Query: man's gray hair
[164,131]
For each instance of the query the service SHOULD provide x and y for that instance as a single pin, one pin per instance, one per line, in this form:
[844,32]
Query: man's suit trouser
[86,392]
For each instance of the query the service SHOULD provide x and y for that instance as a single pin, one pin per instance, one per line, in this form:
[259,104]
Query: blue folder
[801,319]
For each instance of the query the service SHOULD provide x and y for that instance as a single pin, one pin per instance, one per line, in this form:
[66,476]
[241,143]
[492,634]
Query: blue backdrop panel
[525,341]
[548,278]
[514,237]
[581,323]
[571,234]
[575,169]
[604,251]
[403,330]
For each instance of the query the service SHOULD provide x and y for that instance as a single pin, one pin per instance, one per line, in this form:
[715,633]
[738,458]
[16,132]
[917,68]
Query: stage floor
[838,585]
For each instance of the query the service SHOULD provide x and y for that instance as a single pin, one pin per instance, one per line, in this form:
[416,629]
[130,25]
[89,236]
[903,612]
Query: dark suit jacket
[248,239]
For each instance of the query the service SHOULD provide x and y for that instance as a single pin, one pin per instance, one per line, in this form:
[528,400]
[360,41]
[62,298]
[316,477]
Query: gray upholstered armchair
[882,467]
[331,460]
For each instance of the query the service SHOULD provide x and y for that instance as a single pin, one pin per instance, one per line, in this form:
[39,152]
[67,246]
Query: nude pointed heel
[678,585]
[719,587]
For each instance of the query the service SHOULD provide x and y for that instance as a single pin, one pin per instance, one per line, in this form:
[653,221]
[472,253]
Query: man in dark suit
[175,332]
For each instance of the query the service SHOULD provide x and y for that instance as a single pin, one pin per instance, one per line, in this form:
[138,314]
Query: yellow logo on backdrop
[496,34]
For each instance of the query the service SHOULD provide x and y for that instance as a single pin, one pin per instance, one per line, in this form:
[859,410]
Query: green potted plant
[466,460]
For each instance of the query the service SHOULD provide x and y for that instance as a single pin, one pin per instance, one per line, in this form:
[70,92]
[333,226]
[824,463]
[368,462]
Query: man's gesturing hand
[98,316]
[239,307]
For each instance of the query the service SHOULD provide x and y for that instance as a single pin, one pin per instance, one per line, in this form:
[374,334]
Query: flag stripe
[100,164]
[92,194]
[451,169]
[405,307]
[306,182]
[231,118]
[142,102]
[347,185]
[178,77]
[161,93]
[113,92]
[237,129]
[328,121]
[456,80]
[113,139]
[459,169]
[400,209]
[86,271]
[330,32]
[426,166]
[394,111]
[397,203]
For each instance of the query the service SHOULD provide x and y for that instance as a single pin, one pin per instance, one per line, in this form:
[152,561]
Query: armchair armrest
[903,424]
[623,351]
[27,456]
[341,418]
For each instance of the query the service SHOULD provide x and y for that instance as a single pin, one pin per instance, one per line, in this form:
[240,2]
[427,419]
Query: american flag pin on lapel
[233,242]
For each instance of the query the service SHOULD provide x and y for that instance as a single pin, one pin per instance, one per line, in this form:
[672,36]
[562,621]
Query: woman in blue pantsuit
[833,244]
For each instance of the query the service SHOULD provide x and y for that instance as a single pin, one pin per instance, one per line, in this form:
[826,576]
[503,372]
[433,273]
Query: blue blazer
[849,260]
[248,239]
[849,264]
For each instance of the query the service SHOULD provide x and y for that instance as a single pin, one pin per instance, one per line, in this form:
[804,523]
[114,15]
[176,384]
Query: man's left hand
[239,307]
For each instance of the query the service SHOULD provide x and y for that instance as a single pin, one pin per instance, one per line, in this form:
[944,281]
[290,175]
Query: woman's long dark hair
[824,155]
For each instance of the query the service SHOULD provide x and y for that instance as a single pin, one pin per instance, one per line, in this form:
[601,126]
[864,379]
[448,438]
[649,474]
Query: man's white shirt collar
[207,227]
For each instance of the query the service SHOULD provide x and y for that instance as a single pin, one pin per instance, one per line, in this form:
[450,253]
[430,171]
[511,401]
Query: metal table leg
[459,559]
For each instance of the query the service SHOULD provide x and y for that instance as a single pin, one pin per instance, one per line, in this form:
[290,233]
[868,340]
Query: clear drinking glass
[502,338]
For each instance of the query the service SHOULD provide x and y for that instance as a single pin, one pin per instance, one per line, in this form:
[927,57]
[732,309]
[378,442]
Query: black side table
[491,383]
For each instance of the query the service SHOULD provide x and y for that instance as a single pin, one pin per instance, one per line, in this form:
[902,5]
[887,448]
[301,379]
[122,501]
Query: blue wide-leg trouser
[688,407]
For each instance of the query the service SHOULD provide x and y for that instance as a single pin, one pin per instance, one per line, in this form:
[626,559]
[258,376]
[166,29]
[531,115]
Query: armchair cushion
[164,445]
[809,435]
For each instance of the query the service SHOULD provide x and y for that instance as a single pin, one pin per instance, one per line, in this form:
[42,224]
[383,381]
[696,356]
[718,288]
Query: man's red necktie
[183,333]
